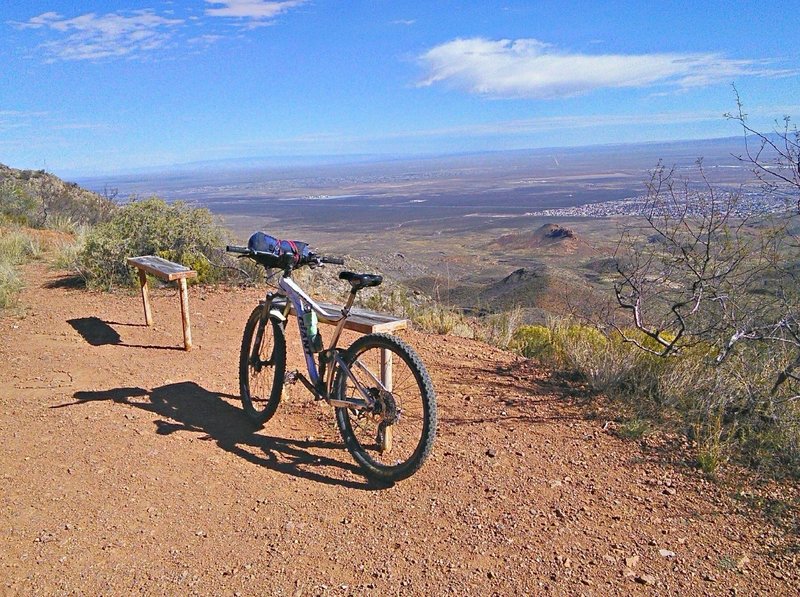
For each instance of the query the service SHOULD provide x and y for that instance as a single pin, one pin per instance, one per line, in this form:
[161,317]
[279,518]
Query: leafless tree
[698,269]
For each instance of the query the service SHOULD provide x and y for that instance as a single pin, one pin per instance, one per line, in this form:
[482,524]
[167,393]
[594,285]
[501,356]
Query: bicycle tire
[414,431]
[261,384]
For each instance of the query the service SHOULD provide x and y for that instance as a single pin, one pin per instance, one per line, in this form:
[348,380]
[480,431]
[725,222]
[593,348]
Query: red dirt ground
[128,467]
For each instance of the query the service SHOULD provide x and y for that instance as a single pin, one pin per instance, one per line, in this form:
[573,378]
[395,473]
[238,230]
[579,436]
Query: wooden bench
[362,320]
[167,271]
[367,322]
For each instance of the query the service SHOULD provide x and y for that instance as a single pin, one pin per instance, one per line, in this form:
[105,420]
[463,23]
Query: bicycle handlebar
[283,260]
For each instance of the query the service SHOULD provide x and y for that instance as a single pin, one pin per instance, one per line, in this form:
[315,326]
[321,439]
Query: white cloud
[254,11]
[91,36]
[529,68]
[16,119]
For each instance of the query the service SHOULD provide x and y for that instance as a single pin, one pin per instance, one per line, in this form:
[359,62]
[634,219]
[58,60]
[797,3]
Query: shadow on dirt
[95,331]
[192,408]
[70,282]
[100,333]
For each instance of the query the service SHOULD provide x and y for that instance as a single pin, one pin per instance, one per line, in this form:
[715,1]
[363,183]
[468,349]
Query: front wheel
[392,439]
[262,365]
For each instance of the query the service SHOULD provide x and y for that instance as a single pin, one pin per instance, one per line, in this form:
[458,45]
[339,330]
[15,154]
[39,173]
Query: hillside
[45,195]
[558,239]
[128,466]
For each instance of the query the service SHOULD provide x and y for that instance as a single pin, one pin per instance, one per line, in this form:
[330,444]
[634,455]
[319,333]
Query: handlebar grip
[332,260]
[235,249]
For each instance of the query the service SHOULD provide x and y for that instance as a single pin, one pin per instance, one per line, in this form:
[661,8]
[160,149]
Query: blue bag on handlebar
[264,243]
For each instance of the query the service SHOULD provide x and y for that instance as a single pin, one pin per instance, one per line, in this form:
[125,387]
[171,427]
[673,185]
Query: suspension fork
[263,321]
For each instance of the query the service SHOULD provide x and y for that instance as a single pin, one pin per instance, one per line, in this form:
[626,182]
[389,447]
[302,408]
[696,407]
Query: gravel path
[128,467]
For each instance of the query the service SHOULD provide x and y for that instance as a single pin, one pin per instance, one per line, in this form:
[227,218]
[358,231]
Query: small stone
[709,578]
[200,533]
[665,553]
[632,561]
[491,453]
[742,562]
[669,491]
[646,579]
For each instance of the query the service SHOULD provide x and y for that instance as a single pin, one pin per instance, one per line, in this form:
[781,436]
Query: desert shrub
[585,350]
[499,329]
[16,248]
[534,342]
[10,285]
[16,205]
[174,231]
[438,319]
[66,251]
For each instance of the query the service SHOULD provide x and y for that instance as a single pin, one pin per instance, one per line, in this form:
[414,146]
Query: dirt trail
[128,466]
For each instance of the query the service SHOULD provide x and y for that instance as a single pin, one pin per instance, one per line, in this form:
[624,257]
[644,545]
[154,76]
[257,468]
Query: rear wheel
[391,440]
[262,365]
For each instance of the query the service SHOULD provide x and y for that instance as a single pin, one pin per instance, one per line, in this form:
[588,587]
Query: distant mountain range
[311,175]
[632,155]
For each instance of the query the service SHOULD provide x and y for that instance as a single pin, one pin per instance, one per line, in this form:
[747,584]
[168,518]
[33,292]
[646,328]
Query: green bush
[174,231]
[16,247]
[16,205]
[534,342]
[10,285]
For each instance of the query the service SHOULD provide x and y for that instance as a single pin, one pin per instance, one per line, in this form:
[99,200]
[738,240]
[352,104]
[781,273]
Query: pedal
[290,378]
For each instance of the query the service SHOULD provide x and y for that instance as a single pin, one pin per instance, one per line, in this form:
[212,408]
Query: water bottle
[314,337]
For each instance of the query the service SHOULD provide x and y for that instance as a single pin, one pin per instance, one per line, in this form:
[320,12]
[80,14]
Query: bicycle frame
[299,301]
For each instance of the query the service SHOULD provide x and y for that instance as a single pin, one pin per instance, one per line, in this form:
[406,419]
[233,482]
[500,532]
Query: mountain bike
[383,397]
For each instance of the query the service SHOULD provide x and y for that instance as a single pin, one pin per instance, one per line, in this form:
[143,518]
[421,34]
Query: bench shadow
[98,332]
[70,282]
[95,331]
[190,407]
[126,324]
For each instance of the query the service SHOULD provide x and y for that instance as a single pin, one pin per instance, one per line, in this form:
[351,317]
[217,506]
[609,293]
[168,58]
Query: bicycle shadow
[192,408]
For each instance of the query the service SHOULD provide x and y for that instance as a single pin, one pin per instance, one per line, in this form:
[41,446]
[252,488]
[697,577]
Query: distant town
[743,203]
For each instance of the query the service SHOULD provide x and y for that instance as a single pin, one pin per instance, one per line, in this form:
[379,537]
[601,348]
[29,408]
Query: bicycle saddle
[359,281]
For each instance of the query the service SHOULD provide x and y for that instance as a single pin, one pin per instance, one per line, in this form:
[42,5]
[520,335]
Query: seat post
[349,304]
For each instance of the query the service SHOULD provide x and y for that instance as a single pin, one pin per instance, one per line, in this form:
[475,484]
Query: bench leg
[148,315]
[386,380]
[187,330]
[386,369]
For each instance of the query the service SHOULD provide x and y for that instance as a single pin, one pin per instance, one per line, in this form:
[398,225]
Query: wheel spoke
[393,438]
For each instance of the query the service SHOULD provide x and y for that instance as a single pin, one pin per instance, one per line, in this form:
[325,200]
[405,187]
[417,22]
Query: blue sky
[91,87]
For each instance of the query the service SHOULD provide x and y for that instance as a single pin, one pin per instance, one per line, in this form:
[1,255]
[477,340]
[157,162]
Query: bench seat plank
[161,268]
[364,321]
